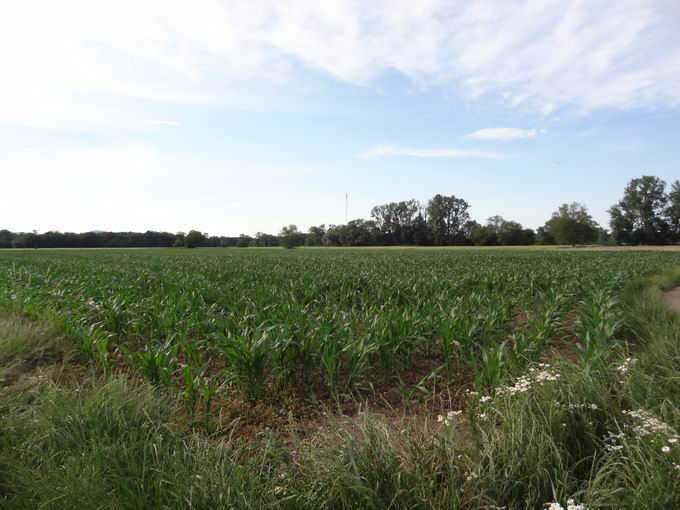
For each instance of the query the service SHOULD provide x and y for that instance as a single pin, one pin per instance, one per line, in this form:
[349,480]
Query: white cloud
[60,59]
[387,150]
[504,134]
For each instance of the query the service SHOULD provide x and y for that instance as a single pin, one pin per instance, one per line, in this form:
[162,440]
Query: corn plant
[248,359]
[596,326]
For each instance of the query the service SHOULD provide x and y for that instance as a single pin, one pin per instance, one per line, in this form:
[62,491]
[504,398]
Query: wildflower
[648,424]
[572,505]
[625,366]
[484,399]
[666,449]
[673,440]
[440,418]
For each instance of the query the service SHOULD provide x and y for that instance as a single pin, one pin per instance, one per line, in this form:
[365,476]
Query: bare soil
[672,298]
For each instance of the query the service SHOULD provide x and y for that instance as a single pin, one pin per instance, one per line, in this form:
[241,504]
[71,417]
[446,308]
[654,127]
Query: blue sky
[237,117]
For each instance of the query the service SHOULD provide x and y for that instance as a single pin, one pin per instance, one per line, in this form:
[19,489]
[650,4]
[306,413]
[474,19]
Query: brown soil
[672,298]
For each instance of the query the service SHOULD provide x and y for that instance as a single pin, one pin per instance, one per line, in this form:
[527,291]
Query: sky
[241,116]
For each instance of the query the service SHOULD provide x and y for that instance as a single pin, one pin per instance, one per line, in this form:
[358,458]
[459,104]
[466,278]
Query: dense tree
[543,236]
[446,216]
[194,239]
[674,211]
[499,231]
[243,241]
[6,238]
[640,217]
[291,237]
[355,233]
[263,240]
[572,224]
[396,221]
[315,236]
[421,234]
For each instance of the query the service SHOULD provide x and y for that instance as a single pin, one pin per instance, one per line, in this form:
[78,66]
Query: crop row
[335,320]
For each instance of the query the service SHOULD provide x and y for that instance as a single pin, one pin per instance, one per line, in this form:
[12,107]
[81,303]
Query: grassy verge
[604,437]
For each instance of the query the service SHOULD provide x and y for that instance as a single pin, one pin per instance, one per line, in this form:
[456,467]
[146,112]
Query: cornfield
[340,321]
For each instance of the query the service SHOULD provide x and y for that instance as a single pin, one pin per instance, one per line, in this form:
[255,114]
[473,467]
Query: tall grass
[600,429]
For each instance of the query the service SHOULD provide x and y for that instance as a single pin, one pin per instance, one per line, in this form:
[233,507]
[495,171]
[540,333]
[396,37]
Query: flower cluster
[625,366]
[536,376]
[646,425]
[449,417]
[611,441]
[574,407]
[571,505]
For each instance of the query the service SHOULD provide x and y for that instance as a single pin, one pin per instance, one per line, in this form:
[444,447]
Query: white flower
[440,418]
[484,399]
[572,505]
[666,449]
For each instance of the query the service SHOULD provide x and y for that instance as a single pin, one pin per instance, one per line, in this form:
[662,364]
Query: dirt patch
[672,298]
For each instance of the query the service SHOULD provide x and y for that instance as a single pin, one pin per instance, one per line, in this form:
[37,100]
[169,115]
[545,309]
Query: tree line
[646,214]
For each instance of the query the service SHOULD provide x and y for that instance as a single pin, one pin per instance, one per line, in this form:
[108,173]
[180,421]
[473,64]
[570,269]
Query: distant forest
[646,214]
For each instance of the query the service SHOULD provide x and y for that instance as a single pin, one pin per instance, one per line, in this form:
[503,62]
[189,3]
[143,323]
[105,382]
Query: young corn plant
[155,363]
[596,326]
[248,359]
[491,368]
[331,356]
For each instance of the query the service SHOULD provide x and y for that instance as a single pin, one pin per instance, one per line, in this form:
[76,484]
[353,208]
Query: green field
[506,337]
[335,320]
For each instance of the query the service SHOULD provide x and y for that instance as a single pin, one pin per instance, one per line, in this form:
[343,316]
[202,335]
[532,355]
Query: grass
[74,437]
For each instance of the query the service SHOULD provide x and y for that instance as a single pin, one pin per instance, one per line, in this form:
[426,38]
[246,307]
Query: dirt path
[672,297]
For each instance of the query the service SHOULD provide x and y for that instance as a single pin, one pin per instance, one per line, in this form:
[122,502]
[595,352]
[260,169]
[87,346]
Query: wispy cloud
[504,134]
[168,123]
[535,55]
[388,150]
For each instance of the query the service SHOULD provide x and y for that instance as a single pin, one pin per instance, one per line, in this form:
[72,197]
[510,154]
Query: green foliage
[602,430]
[291,237]
[346,320]
[194,239]
[640,217]
[446,216]
[572,224]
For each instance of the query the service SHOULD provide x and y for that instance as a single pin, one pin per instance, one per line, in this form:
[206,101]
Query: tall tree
[291,237]
[315,235]
[396,221]
[194,239]
[446,217]
[674,211]
[640,216]
[572,224]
